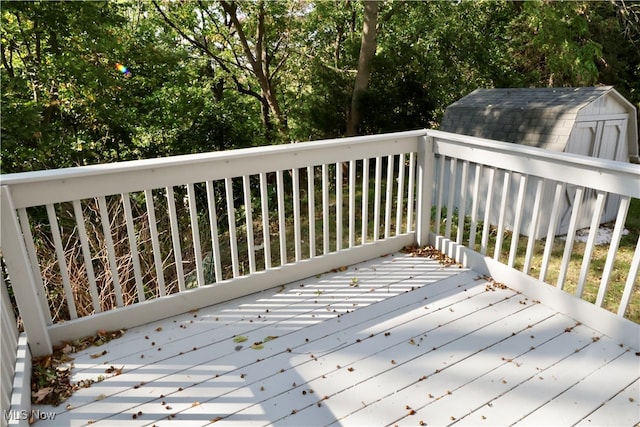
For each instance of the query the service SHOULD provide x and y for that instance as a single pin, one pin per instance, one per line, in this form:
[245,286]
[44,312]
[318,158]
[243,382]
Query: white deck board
[412,342]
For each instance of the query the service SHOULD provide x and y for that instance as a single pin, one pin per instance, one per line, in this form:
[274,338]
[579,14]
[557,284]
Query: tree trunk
[259,63]
[367,52]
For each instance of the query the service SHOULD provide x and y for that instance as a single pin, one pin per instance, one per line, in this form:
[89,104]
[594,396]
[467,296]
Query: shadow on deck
[395,340]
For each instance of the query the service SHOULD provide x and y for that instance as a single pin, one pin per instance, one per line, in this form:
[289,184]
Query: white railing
[118,245]
[8,348]
[510,202]
[112,246]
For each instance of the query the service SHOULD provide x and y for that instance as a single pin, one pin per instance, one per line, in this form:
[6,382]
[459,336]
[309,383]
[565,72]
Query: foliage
[218,75]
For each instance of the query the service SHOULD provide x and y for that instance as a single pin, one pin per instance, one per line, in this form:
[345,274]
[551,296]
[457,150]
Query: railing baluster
[195,233]
[463,202]
[411,191]
[631,279]
[591,240]
[338,206]
[400,195]
[231,220]
[571,233]
[365,200]
[388,197]
[613,249]
[501,218]
[325,209]
[86,254]
[282,227]
[474,207]
[62,262]
[33,261]
[451,196]
[213,226]
[133,245]
[311,195]
[440,189]
[246,190]
[352,203]
[175,237]
[551,232]
[296,215]
[266,236]
[153,228]
[513,251]
[487,212]
[376,197]
[533,227]
[111,253]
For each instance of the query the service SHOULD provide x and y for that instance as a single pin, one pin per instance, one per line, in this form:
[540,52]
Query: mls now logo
[32,416]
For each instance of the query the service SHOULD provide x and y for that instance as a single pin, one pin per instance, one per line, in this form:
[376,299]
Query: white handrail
[187,211]
[521,190]
[181,229]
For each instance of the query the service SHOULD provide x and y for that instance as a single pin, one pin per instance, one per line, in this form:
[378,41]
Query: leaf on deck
[41,394]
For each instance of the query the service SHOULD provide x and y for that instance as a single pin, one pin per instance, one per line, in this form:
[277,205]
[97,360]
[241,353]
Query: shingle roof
[541,117]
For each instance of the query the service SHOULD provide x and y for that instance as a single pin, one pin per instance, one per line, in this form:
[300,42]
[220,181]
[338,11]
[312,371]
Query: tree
[367,51]
[57,76]
[248,44]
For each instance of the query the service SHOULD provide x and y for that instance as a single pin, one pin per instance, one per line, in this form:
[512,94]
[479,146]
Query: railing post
[23,284]
[425,162]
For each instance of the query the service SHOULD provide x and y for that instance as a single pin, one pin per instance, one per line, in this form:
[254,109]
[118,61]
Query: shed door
[605,139]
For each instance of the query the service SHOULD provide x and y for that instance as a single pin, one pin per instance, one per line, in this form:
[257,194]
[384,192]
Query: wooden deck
[395,340]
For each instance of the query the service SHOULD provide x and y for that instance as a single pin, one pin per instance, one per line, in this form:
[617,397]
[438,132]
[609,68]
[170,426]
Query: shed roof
[540,117]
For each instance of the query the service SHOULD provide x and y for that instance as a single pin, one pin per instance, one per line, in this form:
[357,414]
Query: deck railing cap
[190,159]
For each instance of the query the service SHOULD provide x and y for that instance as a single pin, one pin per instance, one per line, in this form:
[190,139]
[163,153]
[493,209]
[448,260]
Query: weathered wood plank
[550,381]
[626,402]
[588,394]
[368,345]
[477,380]
[171,345]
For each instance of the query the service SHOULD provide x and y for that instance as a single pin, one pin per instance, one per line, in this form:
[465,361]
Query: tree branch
[221,62]
[231,10]
[173,25]
[5,63]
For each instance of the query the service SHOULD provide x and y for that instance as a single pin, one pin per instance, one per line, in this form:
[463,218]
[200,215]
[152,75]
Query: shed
[591,121]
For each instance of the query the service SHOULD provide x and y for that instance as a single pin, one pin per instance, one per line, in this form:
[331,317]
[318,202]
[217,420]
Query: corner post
[425,162]
[23,283]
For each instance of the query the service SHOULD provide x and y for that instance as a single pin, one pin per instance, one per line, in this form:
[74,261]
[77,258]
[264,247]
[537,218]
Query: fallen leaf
[41,394]
[240,338]
[96,355]
[113,370]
